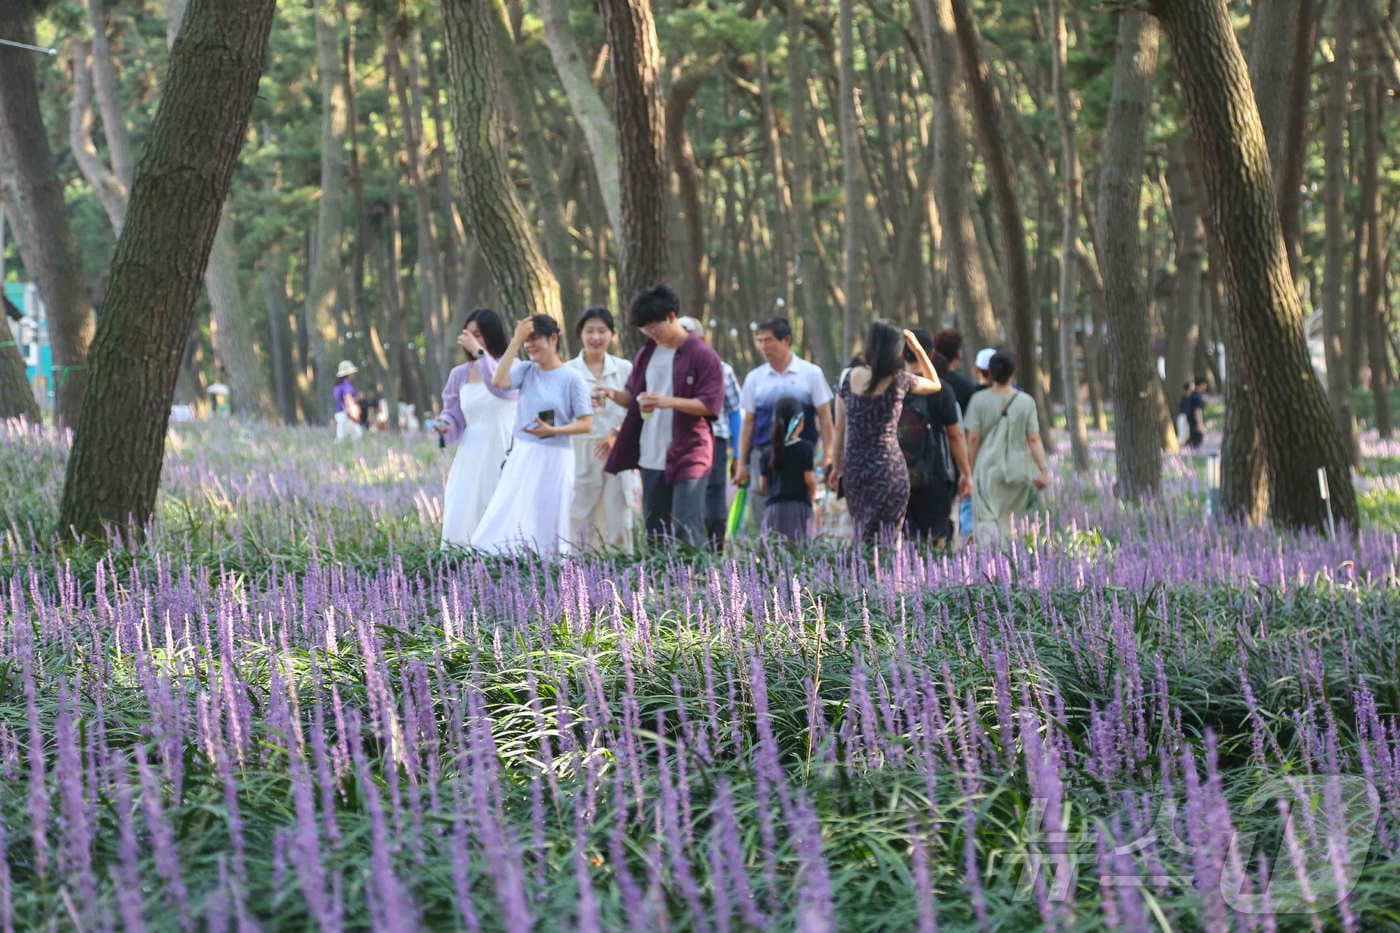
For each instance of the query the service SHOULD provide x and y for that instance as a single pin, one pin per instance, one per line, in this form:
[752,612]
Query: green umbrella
[736,513]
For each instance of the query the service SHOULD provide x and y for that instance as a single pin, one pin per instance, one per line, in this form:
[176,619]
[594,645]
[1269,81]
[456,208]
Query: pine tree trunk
[688,185]
[852,191]
[273,279]
[38,216]
[491,207]
[1137,444]
[641,129]
[587,106]
[987,115]
[1334,204]
[542,165]
[111,191]
[325,270]
[104,80]
[181,182]
[1184,327]
[1288,404]
[1375,265]
[808,261]
[1064,109]
[975,315]
[16,395]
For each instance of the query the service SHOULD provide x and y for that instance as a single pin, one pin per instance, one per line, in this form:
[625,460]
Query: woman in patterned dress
[868,460]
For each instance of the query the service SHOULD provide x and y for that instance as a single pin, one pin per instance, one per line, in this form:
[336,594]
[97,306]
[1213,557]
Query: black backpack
[924,444]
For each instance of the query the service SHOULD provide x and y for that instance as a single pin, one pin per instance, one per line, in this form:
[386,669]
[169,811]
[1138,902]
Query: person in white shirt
[784,374]
[603,502]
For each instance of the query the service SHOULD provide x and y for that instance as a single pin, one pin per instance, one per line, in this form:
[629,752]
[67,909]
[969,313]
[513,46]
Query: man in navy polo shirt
[783,374]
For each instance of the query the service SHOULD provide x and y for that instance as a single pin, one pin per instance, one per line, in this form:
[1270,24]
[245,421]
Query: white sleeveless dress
[476,468]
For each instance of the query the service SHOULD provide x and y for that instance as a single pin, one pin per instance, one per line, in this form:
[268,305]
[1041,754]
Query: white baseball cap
[689,324]
[984,357]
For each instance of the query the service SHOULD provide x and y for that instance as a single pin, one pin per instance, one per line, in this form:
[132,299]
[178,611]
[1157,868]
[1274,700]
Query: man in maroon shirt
[675,391]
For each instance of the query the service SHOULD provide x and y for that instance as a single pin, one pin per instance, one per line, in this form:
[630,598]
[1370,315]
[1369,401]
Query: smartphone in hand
[546,417]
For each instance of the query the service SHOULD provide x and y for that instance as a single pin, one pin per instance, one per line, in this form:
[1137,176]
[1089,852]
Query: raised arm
[926,381]
[523,329]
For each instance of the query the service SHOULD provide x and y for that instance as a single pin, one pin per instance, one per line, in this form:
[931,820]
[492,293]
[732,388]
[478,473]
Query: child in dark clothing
[789,477]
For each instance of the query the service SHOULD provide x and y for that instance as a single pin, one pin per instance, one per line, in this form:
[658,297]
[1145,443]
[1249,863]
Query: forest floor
[288,707]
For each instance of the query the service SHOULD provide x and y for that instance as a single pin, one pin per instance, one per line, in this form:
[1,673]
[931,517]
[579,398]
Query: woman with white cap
[347,404]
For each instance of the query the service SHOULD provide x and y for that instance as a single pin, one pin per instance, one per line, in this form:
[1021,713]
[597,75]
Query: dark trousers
[674,510]
[930,513]
[717,495]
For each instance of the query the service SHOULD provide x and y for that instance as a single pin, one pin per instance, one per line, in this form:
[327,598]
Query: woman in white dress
[530,508]
[603,502]
[478,418]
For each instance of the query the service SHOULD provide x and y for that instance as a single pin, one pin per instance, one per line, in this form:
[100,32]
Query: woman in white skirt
[478,418]
[530,508]
[603,502]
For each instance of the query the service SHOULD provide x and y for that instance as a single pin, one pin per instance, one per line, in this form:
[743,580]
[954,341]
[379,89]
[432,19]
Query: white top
[616,372]
[763,387]
[656,430]
[559,390]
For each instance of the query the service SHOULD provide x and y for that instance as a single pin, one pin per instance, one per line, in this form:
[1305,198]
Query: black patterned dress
[874,475]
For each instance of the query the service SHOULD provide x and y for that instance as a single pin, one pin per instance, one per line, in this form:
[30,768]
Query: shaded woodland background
[1023,169]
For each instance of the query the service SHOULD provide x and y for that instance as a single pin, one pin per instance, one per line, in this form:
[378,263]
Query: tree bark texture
[234,345]
[16,395]
[38,215]
[987,114]
[1299,436]
[1064,109]
[1137,444]
[491,207]
[641,130]
[181,182]
[1334,273]
[950,140]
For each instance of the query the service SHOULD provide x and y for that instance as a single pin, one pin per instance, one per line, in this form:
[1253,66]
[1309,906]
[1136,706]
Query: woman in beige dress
[1008,459]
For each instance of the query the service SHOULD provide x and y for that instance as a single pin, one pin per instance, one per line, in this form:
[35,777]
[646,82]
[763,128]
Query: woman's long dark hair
[784,410]
[493,331]
[883,353]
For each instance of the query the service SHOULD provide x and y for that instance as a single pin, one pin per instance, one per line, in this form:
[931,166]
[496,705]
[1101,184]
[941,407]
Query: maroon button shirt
[697,373]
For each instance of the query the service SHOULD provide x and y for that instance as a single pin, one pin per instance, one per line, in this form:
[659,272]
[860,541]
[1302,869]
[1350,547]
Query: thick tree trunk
[587,106]
[491,207]
[1334,274]
[975,316]
[1069,168]
[181,182]
[325,271]
[987,114]
[1289,164]
[641,129]
[1137,444]
[38,215]
[1288,403]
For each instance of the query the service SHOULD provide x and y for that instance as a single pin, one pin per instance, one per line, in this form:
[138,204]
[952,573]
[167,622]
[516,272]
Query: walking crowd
[556,455]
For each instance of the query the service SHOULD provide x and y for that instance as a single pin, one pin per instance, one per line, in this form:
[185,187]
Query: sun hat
[984,357]
[347,368]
